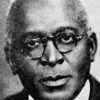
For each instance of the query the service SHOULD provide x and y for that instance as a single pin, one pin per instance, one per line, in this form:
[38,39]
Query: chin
[56,95]
[63,92]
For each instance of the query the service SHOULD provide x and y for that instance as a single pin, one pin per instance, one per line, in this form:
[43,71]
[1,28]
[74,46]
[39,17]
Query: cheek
[26,65]
[79,59]
[29,73]
[28,68]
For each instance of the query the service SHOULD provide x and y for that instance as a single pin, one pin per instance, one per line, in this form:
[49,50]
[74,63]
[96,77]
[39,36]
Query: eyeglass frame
[53,39]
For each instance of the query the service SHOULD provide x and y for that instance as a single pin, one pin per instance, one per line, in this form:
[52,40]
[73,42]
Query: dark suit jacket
[94,91]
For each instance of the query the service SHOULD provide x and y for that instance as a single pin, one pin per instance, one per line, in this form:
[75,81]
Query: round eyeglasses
[34,47]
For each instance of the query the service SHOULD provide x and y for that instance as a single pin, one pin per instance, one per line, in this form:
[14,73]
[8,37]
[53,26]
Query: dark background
[10,84]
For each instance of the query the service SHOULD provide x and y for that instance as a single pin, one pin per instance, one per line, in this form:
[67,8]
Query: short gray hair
[15,17]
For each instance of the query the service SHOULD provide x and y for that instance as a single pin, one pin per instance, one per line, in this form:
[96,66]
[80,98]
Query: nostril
[60,61]
[44,63]
[51,62]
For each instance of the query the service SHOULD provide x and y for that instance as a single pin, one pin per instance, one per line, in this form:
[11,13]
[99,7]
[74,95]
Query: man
[51,46]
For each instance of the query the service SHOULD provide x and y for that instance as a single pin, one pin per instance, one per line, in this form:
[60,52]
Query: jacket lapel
[94,89]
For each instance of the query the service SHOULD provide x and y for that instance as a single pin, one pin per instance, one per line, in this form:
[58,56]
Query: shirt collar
[30,98]
[84,94]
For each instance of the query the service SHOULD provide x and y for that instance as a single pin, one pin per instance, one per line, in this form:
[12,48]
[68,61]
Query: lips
[59,80]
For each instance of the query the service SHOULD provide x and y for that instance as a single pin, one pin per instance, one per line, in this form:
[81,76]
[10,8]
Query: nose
[51,56]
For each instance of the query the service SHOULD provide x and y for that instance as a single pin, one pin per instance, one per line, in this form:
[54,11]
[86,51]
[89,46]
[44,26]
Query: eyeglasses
[34,46]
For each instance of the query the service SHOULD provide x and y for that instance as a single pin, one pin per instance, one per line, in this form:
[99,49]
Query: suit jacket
[94,91]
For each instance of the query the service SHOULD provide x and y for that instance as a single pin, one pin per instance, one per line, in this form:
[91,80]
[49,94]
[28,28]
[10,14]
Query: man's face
[55,75]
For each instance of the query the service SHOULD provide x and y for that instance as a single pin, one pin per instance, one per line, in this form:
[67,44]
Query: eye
[66,39]
[32,43]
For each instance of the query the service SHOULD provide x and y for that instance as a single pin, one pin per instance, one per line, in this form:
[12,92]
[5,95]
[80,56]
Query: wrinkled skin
[75,64]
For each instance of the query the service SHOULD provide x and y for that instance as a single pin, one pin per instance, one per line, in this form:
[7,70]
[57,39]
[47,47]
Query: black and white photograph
[49,49]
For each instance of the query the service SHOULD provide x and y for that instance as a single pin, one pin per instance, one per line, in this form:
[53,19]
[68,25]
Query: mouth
[57,81]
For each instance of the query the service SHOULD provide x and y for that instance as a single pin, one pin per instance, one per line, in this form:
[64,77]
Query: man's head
[50,46]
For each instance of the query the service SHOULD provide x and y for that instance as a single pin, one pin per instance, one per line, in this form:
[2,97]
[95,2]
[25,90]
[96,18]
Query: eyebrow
[61,29]
[43,34]
[31,34]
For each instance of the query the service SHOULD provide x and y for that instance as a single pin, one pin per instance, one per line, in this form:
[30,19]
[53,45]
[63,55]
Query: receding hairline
[75,4]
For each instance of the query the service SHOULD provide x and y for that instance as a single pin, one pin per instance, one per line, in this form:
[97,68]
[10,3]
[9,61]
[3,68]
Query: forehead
[48,15]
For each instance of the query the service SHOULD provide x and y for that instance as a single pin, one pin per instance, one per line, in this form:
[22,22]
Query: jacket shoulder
[18,96]
[95,89]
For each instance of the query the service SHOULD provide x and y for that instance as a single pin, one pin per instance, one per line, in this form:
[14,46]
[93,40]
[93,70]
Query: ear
[93,46]
[9,58]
